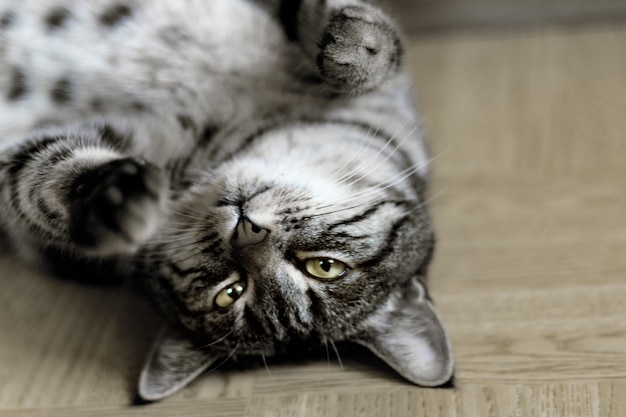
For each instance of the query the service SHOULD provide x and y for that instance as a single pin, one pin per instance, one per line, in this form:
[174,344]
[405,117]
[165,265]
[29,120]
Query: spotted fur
[210,151]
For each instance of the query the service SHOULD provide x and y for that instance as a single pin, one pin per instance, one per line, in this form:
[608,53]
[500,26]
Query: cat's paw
[117,206]
[358,51]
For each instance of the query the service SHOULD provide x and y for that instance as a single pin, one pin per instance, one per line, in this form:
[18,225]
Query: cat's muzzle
[247,233]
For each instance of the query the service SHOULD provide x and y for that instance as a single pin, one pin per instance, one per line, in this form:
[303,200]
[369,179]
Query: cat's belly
[65,61]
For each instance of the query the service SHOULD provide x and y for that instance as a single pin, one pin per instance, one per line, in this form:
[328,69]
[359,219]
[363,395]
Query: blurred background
[450,15]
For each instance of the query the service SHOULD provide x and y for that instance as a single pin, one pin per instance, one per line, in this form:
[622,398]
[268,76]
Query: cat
[256,167]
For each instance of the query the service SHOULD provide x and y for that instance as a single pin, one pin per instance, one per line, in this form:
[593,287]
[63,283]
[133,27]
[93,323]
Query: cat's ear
[173,363]
[409,336]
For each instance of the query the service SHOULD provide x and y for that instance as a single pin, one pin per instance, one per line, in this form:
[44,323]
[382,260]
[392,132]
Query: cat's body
[283,195]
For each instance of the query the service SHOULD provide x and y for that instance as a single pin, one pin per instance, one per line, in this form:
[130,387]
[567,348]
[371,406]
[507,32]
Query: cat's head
[297,239]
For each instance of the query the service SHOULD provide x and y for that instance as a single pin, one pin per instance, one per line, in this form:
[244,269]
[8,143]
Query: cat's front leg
[72,192]
[355,45]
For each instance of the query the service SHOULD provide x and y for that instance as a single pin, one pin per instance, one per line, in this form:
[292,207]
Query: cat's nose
[248,233]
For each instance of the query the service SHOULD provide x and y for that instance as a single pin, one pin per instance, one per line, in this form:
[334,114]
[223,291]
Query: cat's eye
[227,296]
[325,268]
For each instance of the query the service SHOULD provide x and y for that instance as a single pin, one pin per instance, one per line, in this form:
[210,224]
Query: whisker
[267,368]
[428,200]
[327,353]
[361,195]
[380,163]
[396,179]
[336,353]
[326,213]
[431,197]
[375,157]
[190,216]
[219,365]
[175,246]
[344,167]
[357,154]
[215,341]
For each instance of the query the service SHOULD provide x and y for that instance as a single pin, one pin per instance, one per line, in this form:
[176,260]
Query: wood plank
[488,400]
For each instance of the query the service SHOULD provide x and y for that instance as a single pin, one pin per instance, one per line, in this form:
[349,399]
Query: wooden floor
[529,134]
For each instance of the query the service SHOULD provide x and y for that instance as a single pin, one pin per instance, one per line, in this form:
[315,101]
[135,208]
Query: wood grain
[528,130]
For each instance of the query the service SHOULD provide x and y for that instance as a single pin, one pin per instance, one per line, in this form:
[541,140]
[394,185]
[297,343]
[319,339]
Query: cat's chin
[405,332]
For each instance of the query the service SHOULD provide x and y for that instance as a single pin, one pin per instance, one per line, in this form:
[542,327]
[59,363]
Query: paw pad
[116,206]
[358,51]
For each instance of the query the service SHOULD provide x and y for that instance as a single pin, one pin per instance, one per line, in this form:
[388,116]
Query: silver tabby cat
[255,165]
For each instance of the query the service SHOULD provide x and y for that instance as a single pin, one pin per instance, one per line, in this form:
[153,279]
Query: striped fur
[202,146]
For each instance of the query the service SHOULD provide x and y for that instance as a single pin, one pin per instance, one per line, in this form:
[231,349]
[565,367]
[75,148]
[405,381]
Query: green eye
[325,268]
[230,294]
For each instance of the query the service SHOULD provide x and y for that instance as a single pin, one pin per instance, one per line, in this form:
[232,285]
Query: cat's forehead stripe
[388,248]
[368,130]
